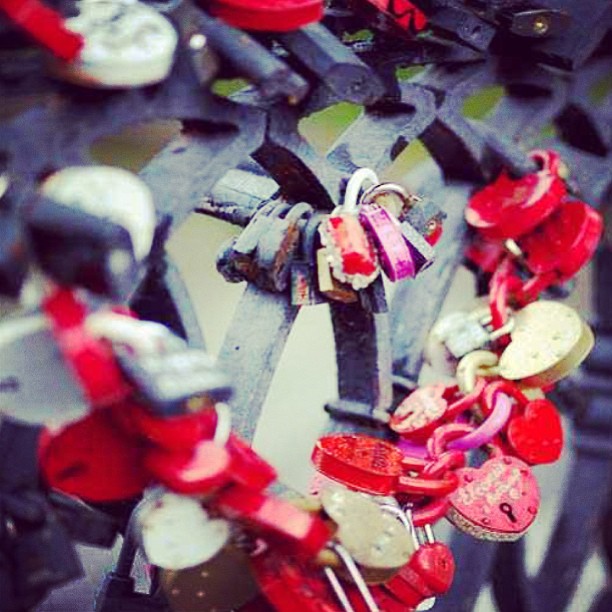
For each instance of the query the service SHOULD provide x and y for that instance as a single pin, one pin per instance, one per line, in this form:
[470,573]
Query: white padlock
[111,193]
[127,44]
[175,532]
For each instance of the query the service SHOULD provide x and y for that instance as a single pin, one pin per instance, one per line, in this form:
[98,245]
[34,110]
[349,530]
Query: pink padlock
[393,252]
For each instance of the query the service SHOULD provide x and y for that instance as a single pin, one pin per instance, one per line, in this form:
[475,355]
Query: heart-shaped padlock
[94,460]
[497,501]
[548,341]
[176,532]
[509,208]
[417,416]
[537,436]
[565,242]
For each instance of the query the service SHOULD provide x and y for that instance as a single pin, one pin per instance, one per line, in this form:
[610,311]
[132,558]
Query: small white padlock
[175,532]
[464,332]
[127,44]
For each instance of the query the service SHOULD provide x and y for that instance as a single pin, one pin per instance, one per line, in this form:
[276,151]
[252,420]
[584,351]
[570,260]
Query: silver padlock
[464,332]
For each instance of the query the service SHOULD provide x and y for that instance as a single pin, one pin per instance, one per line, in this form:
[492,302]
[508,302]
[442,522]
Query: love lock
[93,228]
[125,45]
[267,15]
[175,532]
[264,251]
[165,372]
[430,570]
[509,208]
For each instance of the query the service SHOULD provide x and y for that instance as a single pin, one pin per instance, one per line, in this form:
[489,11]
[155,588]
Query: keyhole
[507,510]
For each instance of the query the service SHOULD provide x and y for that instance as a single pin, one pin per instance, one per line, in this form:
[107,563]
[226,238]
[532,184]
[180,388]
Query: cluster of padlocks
[206,510]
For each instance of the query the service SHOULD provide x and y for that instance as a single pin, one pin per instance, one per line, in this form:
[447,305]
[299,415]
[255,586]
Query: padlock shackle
[354,187]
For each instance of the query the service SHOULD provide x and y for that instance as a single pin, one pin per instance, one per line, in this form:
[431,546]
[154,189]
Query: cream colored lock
[376,541]
[127,44]
[175,531]
[548,342]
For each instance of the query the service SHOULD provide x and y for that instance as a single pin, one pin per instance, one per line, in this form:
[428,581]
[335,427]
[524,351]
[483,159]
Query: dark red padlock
[564,243]
[279,522]
[94,460]
[176,432]
[249,469]
[534,433]
[266,15]
[510,208]
[195,471]
[91,359]
[44,25]
[291,586]
[407,16]
[383,598]
[429,572]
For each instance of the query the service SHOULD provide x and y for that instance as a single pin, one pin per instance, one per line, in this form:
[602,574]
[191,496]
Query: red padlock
[427,407]
[562,245]
[267,15]
[94,460]
[277,521]
[535,433]
[92,360]
[196,471]
[374,466]
[510,208]
[407,16]
[291,586]
[44,25]
[429,572]
[174,433]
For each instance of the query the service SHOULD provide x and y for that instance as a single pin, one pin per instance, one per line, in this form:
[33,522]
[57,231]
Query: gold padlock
[223,584]
[329,286]
[548,342]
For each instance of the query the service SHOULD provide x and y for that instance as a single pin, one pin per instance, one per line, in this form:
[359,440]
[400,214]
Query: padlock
[165,373]
[277,521]
[373,466]
[289,585]
[94,460]
[509,208]
[377,543]
[403,14]
[175,531]
[222,584]
[534,433]
[90,359]
[328,285]
[45,26]
[393,252]
[564,243]
[93,227]
[267,15]
[497,501]
[263,253]
[305,276]
[548,342]
[426,407]
[125,45]
[430,571]
[463,332]
[351,253]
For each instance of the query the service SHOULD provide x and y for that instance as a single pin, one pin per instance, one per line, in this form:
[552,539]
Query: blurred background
[293,414]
